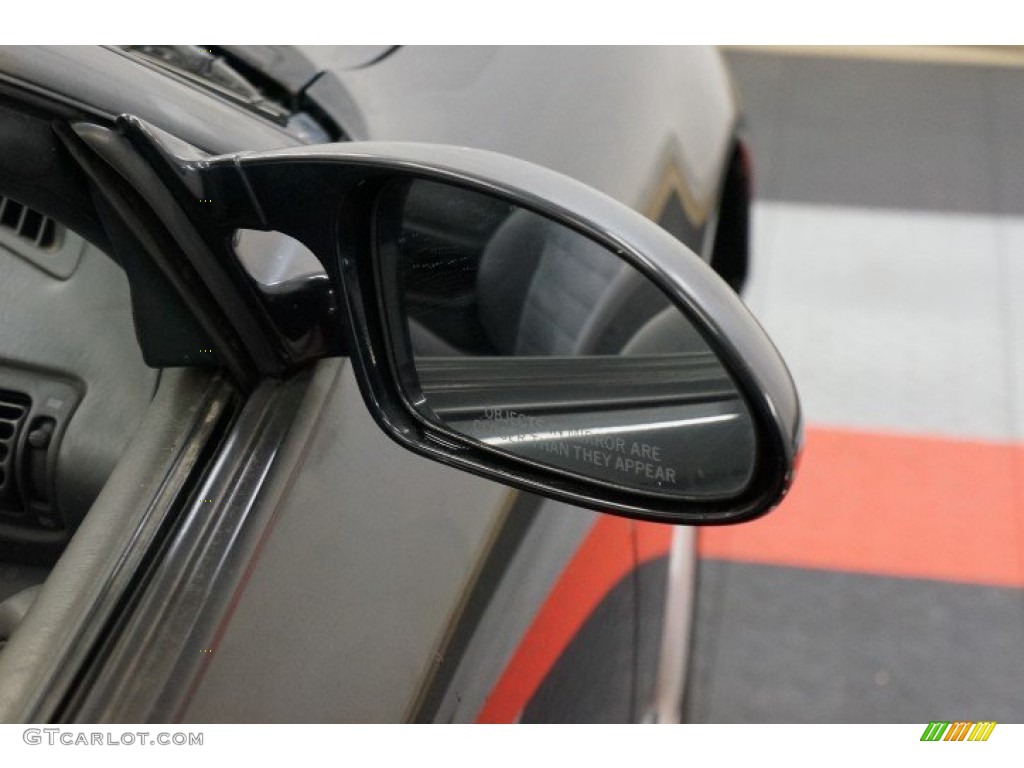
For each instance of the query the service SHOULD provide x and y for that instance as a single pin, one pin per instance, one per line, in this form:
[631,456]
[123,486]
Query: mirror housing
[334,201]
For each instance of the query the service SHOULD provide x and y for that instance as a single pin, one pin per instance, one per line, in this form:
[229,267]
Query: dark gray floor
[885,134]
[889,255]
[786,645]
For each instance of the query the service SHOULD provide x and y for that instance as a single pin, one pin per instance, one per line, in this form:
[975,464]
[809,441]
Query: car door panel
[370,552]
[371,597]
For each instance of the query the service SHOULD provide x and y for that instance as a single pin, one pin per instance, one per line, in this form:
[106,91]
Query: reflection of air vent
[13,410]
[28,224]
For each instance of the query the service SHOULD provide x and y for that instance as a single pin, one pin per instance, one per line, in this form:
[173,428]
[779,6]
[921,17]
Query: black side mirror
[543,345]
[512,322]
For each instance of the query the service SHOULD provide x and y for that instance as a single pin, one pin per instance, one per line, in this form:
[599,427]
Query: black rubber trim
[149,230]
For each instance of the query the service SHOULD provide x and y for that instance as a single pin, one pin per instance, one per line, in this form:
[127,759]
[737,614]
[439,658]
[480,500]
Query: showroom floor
[889,269]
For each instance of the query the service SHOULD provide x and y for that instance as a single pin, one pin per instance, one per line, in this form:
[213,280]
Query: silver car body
[337,577]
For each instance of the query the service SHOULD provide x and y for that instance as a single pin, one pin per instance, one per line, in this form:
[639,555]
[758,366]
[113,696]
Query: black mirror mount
[720,414]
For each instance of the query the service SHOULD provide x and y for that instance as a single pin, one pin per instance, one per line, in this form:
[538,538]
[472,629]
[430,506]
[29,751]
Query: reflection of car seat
[546,290]
[668,332]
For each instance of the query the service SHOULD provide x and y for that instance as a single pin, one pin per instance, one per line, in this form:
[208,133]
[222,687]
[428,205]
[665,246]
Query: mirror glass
[518,332]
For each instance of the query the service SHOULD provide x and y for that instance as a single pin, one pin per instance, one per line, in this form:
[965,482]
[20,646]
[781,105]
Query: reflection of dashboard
[73,385]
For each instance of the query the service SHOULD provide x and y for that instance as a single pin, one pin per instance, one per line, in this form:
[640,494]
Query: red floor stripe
[653,540]
[893,505]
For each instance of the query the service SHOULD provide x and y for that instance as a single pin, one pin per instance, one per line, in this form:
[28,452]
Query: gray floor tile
[778,645]
[876,133]
[890,319]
